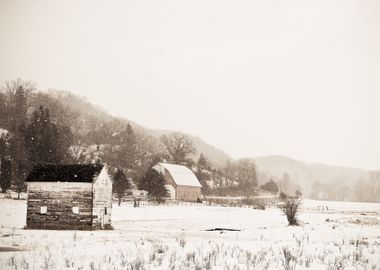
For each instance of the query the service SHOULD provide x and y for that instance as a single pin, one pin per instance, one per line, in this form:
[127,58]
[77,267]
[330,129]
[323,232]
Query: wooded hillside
[60,127]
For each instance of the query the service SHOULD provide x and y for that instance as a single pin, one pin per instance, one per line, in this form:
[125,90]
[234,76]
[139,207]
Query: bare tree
[12,86]
[17,99]
[77,153]
[178,148]
[246,172]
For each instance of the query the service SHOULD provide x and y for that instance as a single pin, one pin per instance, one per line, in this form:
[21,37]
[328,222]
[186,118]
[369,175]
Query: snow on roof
[181,175]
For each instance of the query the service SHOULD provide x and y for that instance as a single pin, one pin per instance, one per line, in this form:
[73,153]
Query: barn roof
[181,175]
[64,173]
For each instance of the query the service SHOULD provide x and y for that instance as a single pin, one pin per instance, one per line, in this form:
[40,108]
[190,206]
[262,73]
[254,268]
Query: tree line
[57,127]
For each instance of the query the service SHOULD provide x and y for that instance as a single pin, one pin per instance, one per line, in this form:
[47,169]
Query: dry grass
[179,254]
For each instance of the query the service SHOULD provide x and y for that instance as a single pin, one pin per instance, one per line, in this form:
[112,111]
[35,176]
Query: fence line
[204,203]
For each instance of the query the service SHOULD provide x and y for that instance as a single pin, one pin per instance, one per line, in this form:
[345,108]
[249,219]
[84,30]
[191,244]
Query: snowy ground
[346,236]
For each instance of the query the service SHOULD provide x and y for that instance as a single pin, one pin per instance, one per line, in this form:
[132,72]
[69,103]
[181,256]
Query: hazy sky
[297,78]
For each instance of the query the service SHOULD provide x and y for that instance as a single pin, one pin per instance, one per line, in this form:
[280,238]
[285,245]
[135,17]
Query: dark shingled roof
[64,173]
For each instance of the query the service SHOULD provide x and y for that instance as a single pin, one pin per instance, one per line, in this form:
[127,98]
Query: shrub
[290,209]
[271,186]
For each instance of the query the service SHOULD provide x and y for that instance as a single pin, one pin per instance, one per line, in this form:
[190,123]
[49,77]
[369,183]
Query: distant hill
[305,174]
[97,132]
[88,115]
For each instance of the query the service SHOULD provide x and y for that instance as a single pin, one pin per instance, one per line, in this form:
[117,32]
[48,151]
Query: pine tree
[271,186]
[5,174]
[203,163]
[5,163]
[21,163]
[4,145]
[129,148]
[13,111]
[19,105]
[154,183]
[203,169]
[125,152]
[4,112]
[45,141]
[121,184]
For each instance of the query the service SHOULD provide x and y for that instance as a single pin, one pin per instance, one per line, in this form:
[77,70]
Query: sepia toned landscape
[174,134]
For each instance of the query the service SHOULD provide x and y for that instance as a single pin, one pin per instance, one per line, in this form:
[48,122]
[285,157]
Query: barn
[69,197]
[181,182]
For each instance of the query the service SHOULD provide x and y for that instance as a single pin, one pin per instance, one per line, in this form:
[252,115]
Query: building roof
[64,173]
[181,175]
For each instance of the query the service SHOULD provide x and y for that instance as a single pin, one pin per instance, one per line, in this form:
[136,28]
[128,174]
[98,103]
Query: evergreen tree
[64,140]
[203,163]
[154,183]
[5,174]
[19,107]
[128,148]
[271,186]
[5,163]
[4,145]
[4,112]
[283,196]
[203,169]
[298,194]
[121,184]
[21,163]
[124,154]
[45,141]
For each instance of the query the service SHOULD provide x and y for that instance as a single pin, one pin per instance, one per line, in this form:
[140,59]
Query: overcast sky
[296,78]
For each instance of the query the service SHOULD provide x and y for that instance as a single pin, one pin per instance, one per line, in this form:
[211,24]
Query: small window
[105,210]
[43,210]
[76,210]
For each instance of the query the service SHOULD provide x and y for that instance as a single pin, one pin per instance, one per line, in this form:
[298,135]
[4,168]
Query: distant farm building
[181,182]
[69,197]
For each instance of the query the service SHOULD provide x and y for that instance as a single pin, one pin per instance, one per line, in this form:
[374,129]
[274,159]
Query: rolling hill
[90,115]
[305,174]
[83,117]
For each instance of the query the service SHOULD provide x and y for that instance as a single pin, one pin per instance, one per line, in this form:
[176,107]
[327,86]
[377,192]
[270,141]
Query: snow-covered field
[346,236]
